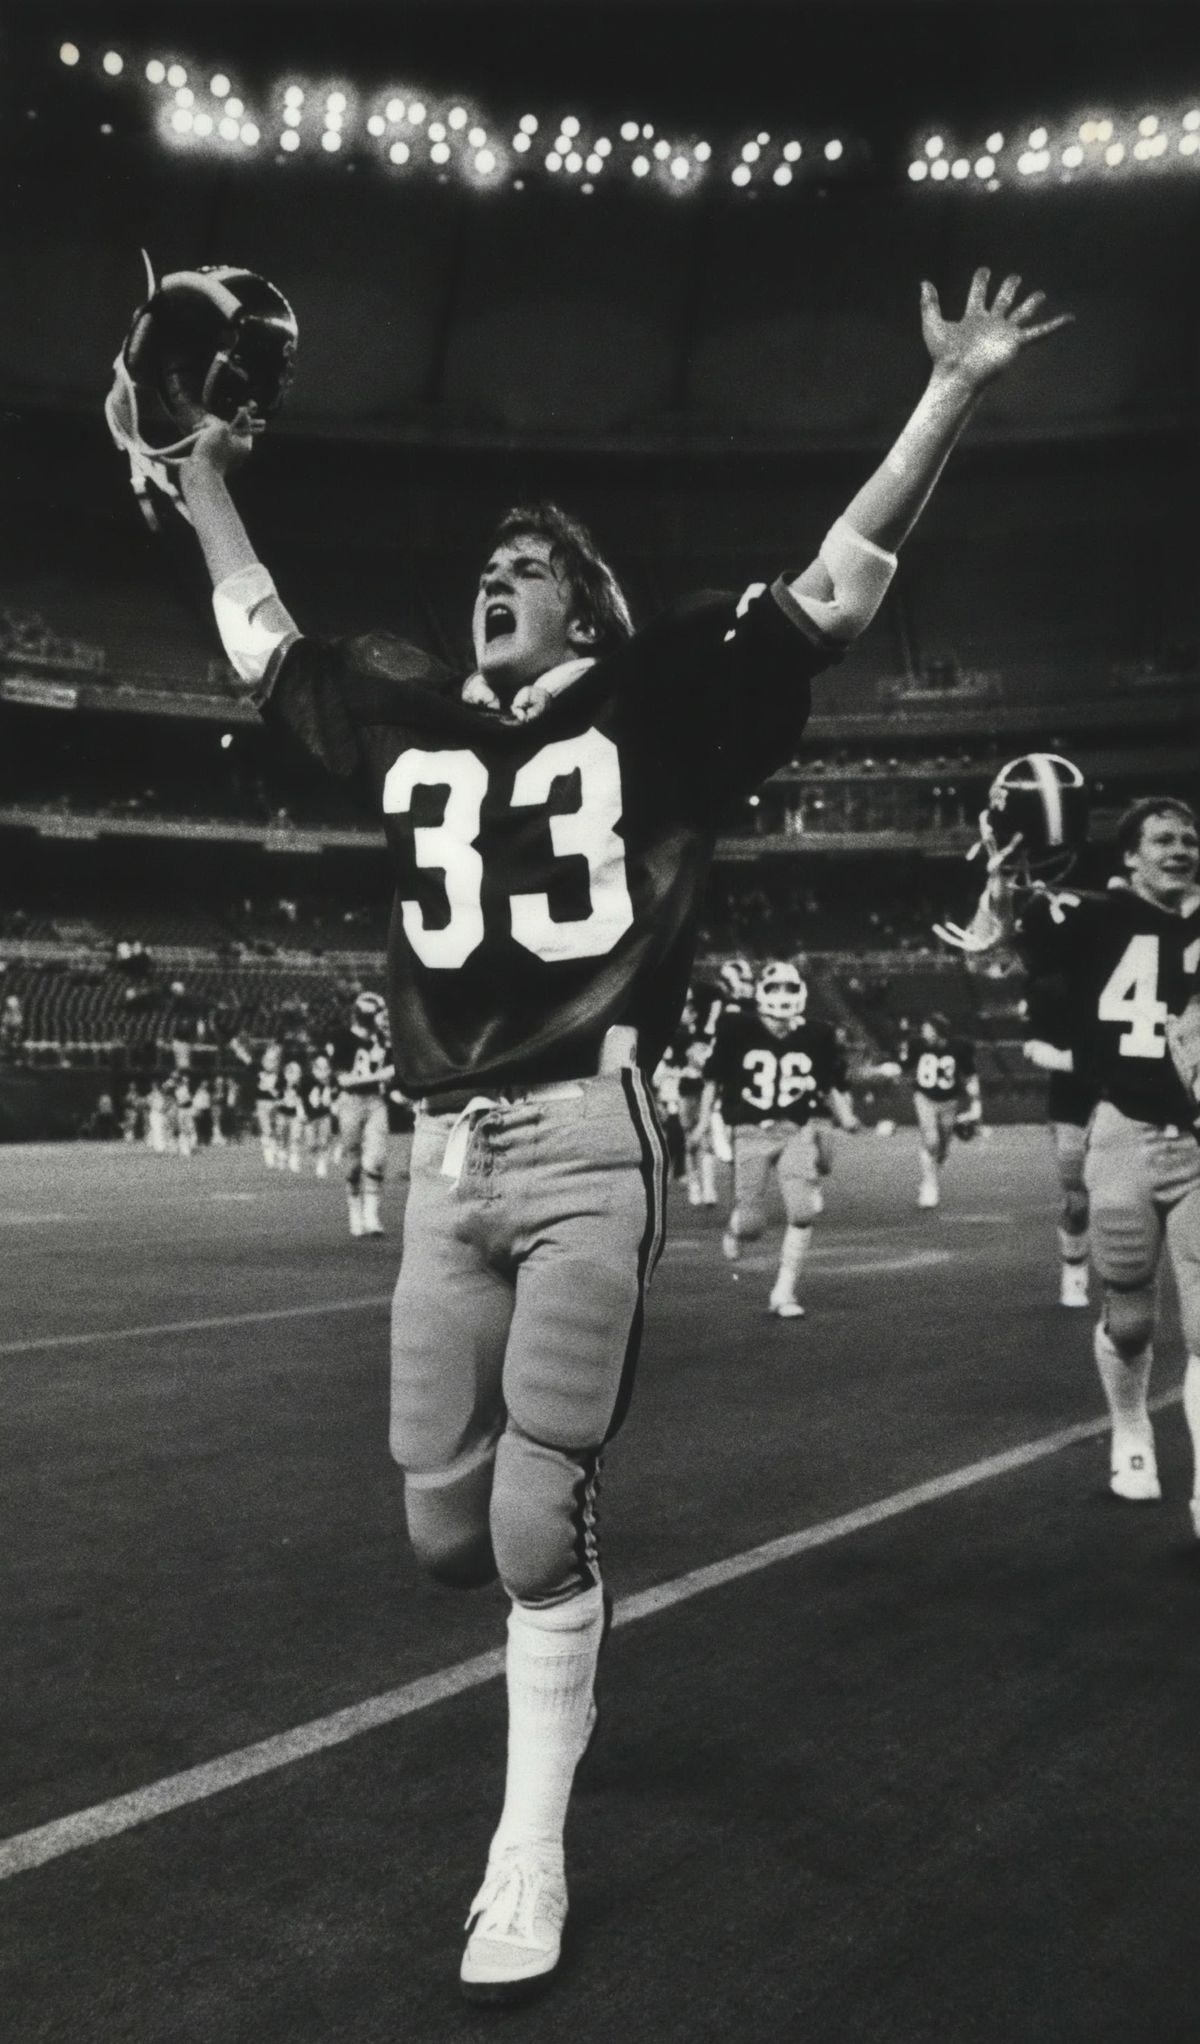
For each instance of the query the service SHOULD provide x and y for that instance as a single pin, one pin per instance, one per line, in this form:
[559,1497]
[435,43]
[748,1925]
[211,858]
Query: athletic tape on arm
[860,572]
[252,621]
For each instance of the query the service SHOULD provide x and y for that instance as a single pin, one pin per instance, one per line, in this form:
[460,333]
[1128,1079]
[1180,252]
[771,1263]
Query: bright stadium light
[1114,154]
[604,146]
[333,119]
[376,125]
[570,127]
[477,136]
[176,75]
[336,102]
[960,168]
[156,71]
[457,118]
[293,116]
[181,120]
[1038,139]
[399,152]
[234,109]
[782,174]
[554,160]
[228,129]
[939,169]
[289,140]
[680,168]
[833,150]
[294,95]
[202,125]
[184,96]
[792,152]
[640,166]
[528,124]
[521,143]
[918,170]
[985,166]
[1191,119]
[751,152]
[395,109]
[741,176]
[1148,125]
[934,146]
[416,113]
[250,134]
[1189,144]
[331,140]
[995,143]
[485,163]
[647,131]
[436,131]
[594,164]
[662,150]
[112,63]
[629,131]
[1072,156]
[219,85]
[763,139]
[574,163]
[440,153]
[68,55]
[1104,131]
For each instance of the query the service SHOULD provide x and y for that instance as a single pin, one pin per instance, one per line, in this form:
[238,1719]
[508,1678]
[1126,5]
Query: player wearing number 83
[550,821]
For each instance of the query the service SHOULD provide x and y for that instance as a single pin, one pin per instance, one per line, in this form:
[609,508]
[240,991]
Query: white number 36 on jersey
[451,848]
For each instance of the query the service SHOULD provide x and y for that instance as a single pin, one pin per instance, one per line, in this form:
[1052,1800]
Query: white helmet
[737,980]
[781,995]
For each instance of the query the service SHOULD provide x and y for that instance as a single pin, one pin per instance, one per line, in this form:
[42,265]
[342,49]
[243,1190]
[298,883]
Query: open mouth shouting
[499,620]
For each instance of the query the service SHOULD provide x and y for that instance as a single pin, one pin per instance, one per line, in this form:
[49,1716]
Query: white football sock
[795,1243]
[929,1169]
[1191,1412]
[551,1670]
[708,1178]
[1125,1383]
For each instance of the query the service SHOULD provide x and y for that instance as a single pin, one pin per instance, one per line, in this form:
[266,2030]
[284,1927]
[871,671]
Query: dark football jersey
[361,1064]
[318,1096]
[549,873]
[268,1083]
[1070,1096]
[1124,965]
[939,1071]
[763,1077]
[291,1090]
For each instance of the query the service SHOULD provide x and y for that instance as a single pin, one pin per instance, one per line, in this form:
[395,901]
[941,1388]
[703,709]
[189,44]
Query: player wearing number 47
[550,820]
[1124,967]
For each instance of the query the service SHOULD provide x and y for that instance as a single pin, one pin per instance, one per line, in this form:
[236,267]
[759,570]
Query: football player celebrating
[267,1087]
[1127,961]
[945,1094]
[363,1067]
[549,855]
[771,1070]
[291,1116]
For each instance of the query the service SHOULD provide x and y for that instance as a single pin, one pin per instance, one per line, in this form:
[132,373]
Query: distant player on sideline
[770,1070]
[946,1096]
[363,1069]
[549,855]
[319,1098]
[1128,963]
[268,1086]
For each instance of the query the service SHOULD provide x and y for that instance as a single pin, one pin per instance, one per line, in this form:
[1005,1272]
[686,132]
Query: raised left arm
[843,588]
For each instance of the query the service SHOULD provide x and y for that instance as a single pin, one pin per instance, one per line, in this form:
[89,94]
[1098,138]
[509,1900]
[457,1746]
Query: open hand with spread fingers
[987,339]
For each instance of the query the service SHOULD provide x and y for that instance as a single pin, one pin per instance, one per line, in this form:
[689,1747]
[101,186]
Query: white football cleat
[731,1247]
[1134,1474]
[354,1207]
[928,1196]
[371,1223]
[1073,1290]
[514,1926]
[784,1307]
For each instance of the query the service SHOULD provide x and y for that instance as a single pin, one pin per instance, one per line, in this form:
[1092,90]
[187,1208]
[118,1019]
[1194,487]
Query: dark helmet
[1044,798]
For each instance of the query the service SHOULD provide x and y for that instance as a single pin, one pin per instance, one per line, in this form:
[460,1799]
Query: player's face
[930,1033]
[523,613]
[1163,868]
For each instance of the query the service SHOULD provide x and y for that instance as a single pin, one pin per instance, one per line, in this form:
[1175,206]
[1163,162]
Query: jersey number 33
[451,847]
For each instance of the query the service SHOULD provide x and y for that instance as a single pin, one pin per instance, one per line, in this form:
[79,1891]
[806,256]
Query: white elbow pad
[860,572]
[252,621]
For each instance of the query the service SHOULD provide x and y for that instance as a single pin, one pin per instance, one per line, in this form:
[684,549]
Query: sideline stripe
[52,1841]
[103,1334]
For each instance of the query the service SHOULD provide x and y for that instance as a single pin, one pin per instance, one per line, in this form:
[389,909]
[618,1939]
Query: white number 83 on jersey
[451,848]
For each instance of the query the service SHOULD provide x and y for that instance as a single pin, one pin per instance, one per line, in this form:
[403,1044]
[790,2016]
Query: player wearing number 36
[1123,967]
[550,820]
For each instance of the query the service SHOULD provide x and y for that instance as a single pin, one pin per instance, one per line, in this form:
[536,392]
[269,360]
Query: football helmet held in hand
[207,343]
[1042,799]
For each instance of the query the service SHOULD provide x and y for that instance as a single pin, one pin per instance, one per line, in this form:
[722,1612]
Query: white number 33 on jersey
[451,848]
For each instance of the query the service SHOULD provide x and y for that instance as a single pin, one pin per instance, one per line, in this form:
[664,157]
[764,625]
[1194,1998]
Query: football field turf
[898,1732]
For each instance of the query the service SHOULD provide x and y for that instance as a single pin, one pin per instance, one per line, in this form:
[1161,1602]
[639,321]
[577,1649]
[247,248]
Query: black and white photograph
[599,1021]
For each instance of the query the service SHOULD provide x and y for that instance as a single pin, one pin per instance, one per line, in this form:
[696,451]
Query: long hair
[599,601]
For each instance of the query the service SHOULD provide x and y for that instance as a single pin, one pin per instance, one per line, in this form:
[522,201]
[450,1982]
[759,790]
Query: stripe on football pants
[652,1144]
